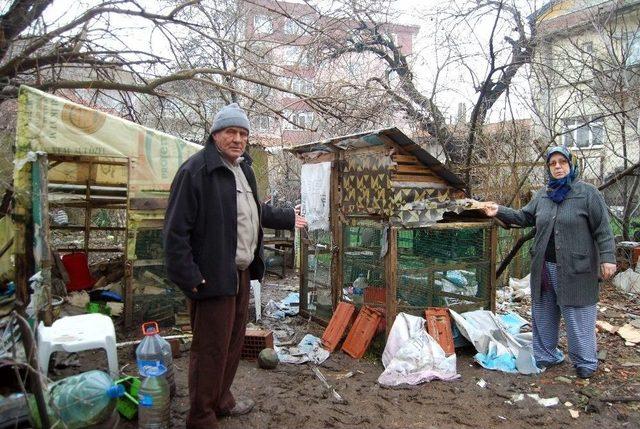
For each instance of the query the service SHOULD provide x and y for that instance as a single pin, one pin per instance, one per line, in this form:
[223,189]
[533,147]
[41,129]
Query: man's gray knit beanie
[230,116]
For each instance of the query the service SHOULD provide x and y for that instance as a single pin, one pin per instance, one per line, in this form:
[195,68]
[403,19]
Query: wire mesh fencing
[363,264]
[520,264]
[315,294]
[444,267]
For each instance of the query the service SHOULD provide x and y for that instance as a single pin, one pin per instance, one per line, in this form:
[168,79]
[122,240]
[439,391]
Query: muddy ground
[292,397]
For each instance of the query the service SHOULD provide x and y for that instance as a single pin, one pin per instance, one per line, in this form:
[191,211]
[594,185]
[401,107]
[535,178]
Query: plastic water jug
[83,400]
[154,409]
[154,350]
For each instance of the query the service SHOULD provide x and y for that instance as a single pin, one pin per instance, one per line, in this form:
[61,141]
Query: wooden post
[128,259]
[23,238]
[493,245]
[391,276]
[128,294]
[337,275]
[87,214]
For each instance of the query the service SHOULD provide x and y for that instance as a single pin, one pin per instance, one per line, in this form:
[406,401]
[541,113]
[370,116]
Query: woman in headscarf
[573,249]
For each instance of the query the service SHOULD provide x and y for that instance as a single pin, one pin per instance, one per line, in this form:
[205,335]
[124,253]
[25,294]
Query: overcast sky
[456,83]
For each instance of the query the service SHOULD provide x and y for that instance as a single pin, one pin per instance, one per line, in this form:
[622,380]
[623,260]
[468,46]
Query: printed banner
[57,126]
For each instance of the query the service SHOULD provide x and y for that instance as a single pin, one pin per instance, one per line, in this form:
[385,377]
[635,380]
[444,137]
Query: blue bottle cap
[154,371]
[145,401]
[115,391]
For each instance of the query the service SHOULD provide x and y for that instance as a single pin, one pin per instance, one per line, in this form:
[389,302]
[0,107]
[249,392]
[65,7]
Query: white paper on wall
[315,187]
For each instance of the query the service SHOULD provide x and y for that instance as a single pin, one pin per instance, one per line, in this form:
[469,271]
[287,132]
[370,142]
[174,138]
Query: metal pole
[35,383]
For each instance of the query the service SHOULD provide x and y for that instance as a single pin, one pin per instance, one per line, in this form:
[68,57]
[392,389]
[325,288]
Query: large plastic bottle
[154,350]
[154,410]
[83,400]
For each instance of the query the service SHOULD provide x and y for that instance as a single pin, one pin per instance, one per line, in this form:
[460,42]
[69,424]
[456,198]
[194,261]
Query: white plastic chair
[75,334]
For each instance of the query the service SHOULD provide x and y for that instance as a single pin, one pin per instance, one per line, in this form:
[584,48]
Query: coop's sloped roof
[377,138]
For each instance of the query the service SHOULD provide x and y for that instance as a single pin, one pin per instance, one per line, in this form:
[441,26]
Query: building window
[295,55]
[297,120]
[261,123]
[580,133]
[293,27]
[262,24]
[300,85]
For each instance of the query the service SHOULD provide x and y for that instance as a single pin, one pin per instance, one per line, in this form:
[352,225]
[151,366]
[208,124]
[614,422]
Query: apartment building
[585,80]
[281,37]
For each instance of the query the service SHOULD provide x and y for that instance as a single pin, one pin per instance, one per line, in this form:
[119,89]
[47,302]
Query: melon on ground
[268,359]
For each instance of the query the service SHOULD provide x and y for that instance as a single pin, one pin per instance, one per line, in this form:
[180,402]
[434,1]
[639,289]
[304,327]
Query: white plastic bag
[520,284]
[627,281]
[412,356]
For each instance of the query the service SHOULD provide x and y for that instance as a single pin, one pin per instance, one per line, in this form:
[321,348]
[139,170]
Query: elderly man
[213,247]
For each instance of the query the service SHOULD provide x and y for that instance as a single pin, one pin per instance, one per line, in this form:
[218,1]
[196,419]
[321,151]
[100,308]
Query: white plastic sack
[627,281]
[412,356]
[314,192]
[520,284]
[404,327]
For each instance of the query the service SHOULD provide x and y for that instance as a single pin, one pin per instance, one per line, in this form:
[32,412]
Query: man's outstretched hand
[301,221]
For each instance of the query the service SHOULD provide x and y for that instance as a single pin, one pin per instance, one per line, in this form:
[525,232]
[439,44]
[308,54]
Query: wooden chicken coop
[400,234]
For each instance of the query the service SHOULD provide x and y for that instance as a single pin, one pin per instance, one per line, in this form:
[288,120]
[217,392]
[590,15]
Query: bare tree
[356,28]
[99,49]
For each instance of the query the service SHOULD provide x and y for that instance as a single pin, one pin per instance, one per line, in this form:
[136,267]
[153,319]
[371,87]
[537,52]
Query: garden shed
[390,227]
[89,182]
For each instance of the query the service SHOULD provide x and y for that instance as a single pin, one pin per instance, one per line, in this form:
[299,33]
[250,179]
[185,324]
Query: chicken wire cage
[315,288]
[444,266]
[403,235]
[155,297]
[363,264]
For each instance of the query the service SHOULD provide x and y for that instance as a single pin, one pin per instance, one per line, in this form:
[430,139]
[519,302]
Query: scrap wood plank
[418,178]
[404,159]
[414,169]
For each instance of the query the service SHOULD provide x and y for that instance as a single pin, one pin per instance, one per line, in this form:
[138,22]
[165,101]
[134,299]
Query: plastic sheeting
[412,356]
[315,188]
[309,349]
[289,306]
[498,340]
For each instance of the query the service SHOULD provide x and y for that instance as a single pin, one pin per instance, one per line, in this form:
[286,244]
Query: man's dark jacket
[200,231]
